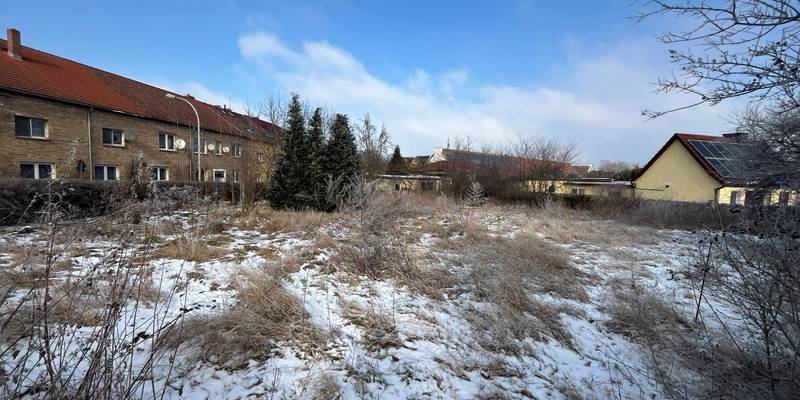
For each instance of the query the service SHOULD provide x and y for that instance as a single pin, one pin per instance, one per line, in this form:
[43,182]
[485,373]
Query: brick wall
[68,142]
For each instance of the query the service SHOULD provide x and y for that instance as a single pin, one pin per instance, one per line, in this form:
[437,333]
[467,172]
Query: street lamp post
[172,96]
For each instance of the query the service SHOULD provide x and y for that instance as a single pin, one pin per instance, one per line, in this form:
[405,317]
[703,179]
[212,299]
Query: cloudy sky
[490,71]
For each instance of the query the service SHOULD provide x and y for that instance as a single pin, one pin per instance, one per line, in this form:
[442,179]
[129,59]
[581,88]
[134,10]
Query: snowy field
[445,302]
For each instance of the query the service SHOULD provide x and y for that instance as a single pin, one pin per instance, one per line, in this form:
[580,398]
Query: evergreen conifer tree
[288,186]
[316,144]
[340,157]
[397,165]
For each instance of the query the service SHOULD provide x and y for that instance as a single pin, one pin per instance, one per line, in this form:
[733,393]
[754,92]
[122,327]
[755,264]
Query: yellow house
[703,169]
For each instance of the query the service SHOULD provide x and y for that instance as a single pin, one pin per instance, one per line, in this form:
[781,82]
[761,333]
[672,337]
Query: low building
[62,118]
[704,169]
[597,187]
[410,183]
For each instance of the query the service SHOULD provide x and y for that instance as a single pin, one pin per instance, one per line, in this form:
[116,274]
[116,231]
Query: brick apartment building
[65,119]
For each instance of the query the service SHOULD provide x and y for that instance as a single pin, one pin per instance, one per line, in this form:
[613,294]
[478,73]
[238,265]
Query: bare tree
[773,146]
[748,48]
[544,161]
[274,109]
[373,145]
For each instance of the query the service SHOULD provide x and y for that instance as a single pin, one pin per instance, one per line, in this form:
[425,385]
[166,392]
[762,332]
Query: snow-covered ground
[430,347]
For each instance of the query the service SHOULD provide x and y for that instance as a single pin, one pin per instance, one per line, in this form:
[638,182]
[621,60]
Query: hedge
[24,200]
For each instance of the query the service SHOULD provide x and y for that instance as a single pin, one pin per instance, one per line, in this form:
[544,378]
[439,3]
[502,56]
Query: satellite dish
[226,149]
[210,147]
[180,144]
[129,133]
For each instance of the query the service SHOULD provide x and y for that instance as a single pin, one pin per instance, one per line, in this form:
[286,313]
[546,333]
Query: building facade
[704,169]
[59,118]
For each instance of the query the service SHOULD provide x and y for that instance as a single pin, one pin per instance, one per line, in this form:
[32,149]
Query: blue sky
[429,70]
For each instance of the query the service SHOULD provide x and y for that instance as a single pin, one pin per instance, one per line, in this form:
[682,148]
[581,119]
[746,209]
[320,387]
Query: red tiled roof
[684,139]
[46,75]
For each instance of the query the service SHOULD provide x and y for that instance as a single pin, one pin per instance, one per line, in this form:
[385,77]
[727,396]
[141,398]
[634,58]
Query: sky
[431,71]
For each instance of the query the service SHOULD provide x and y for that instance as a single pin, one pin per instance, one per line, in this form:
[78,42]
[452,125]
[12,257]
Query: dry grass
[505,272]
[641,313]
[189,249]
[571,226]
[379,329]
[264,315]
[529,261]
[266,220]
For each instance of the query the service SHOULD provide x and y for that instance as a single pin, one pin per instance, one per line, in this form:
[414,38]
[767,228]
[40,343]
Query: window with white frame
[113,137]
[235,175]
[36,170]
[218,148]
[219,175]
[106,173]
[28,127]
[236,150]
[166,141]
[159,173]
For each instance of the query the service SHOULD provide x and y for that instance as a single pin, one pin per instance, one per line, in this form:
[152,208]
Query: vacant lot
[402,298]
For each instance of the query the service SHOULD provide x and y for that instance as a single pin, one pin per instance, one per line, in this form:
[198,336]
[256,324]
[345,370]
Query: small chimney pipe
[14,43]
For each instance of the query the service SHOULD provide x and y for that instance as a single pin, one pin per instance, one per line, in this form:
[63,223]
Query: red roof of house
[46,75]
[684,139]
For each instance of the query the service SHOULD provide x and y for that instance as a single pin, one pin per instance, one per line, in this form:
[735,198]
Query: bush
[23,200]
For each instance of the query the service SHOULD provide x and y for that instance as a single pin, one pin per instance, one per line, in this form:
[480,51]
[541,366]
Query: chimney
[13,43]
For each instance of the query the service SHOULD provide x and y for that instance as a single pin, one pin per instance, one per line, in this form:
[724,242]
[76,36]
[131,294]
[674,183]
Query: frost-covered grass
[441,301]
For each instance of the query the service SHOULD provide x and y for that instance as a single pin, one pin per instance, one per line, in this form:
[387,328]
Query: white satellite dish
[226,149]
[210,147]
[129,133]
[180,144]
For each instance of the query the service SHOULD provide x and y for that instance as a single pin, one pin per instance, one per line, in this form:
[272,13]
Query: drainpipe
[90,167]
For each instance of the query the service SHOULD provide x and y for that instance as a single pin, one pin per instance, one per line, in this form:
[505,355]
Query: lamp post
[172,96]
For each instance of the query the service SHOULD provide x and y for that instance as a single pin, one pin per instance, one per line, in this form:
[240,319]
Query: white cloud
[597,101]
[202,93]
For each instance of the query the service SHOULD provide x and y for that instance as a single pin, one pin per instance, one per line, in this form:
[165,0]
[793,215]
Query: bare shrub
[77,328]
[264,315]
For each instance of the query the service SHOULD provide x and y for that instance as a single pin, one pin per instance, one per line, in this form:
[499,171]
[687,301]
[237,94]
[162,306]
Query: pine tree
[289,182]
[316,144]
[397,165]
[340,159]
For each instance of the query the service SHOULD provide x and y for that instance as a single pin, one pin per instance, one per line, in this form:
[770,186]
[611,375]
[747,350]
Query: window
[396,186]
[219,175]
[260,157]
[218,148]
[166,141]
[113,137]
[30,127]
[159,174]
[235,175]
[578,191]
[236,150]
[734,198]
[427,185]
[783,198]
[203,146]
[36,170]
[105,173]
